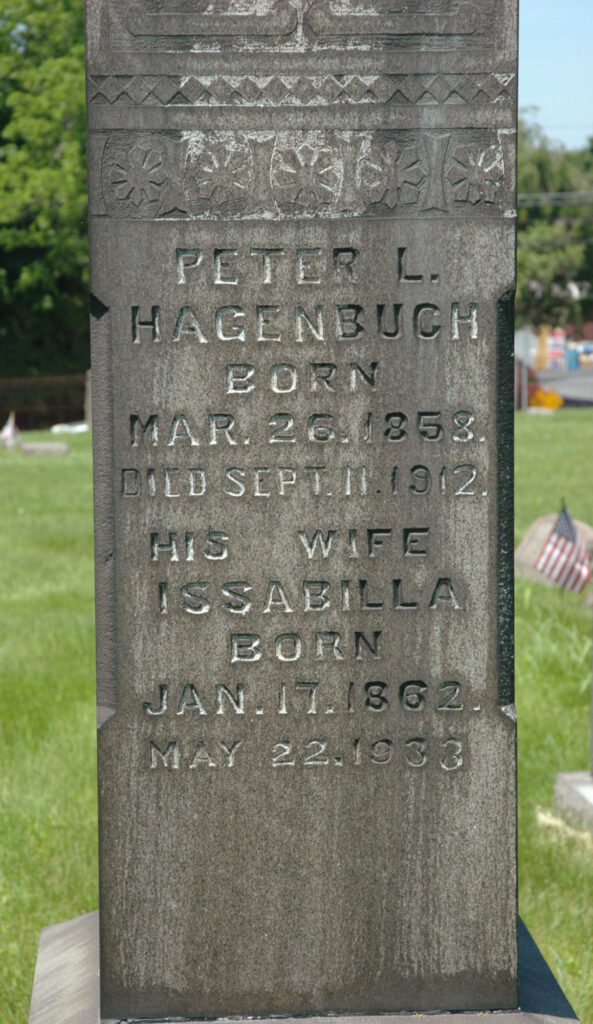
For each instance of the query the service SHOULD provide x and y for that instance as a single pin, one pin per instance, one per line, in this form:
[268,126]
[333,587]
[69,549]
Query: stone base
[66,985]
[573,796]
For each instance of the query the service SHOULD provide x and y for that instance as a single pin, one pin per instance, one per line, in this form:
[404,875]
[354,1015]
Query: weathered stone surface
[66,987]
[302,264]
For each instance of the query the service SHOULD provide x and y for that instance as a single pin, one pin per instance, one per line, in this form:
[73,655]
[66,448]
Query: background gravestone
[302,269]
[573,796]
[531,546]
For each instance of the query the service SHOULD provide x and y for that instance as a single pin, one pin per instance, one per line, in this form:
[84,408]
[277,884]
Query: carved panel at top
[299,25]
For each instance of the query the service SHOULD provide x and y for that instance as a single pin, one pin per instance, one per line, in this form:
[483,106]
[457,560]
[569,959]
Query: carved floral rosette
[223,174]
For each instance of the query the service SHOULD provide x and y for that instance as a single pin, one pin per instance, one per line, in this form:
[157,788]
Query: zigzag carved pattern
[300,90]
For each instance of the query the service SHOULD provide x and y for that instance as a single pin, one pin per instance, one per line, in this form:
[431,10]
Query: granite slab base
[573,797]
[66,986]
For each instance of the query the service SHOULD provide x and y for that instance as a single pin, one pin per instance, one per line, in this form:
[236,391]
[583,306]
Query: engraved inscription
[278,597]
[320,428]
[412,753]
[215,755]
[392,698]
[316,391]
[417,752]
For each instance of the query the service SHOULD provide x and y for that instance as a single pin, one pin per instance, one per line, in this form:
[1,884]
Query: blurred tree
[43,246]
[549,275]
[554,244]
[584,157]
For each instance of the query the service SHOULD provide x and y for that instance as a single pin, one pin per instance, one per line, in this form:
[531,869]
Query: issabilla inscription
[301,369]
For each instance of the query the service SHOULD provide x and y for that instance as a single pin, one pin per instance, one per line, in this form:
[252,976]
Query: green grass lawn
[48,860]
[554,460]
[47,762]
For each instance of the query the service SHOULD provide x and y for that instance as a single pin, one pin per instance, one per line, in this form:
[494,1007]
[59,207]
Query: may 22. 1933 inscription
[300,361]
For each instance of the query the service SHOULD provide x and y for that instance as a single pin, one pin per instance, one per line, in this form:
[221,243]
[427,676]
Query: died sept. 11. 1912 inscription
[300,304]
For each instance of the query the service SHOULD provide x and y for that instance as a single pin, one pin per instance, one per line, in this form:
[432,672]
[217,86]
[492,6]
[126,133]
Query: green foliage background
[43,244]
[555,236]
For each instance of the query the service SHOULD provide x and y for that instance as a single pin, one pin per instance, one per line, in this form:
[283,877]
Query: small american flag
[563,559]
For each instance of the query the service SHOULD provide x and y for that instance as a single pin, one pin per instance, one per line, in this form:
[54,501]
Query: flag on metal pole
[563,559]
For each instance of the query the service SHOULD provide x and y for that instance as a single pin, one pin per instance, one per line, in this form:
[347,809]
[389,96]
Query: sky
[556,67]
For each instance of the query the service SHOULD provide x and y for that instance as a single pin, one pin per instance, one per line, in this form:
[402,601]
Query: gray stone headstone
[573,797]
[45,448]
[302,242]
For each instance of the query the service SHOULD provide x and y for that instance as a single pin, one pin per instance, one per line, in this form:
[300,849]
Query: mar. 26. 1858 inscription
[301,353]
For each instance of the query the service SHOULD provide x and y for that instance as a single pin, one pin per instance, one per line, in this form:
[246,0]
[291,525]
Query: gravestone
[302,247]
[531,546]
[573,796]
[45,448]
[302,258]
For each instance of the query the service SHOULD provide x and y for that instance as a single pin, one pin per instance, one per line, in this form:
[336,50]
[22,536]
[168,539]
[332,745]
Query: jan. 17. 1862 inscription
[301,354]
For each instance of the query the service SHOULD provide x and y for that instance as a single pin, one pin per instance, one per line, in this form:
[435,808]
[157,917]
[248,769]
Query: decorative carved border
[456,18]
[296,25]
[285,175]
[173,20]
[301,90]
